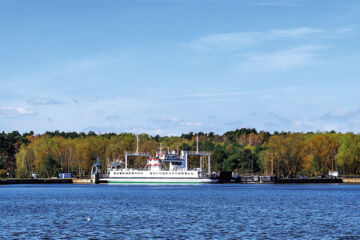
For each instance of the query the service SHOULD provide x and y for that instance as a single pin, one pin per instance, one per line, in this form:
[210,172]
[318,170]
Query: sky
[174,66]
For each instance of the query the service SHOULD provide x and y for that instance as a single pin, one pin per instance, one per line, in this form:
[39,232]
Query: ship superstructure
[165,167]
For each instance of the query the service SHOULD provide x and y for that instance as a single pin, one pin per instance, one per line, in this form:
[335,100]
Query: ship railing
[145,154]
[198,152]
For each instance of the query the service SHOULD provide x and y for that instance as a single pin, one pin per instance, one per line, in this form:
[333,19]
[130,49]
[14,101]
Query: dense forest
[244,151]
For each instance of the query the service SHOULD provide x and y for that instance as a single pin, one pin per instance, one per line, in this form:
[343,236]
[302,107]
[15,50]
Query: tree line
[244,151]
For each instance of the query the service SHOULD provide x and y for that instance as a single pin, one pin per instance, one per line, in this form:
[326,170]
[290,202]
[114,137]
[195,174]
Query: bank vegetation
[244,151]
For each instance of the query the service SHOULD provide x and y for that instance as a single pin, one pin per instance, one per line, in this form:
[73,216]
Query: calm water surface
[180,212]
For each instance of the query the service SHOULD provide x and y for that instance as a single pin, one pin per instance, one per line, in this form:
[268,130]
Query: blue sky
[172,66]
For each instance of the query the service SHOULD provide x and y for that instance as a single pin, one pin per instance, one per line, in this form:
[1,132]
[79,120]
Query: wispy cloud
[225,42]
[16,111]
[341,116]
[294,32]
[221,94]
[173,122]
[339,119]
[284,59]
[43,101]
[113,117]
[237,124]
[228,42]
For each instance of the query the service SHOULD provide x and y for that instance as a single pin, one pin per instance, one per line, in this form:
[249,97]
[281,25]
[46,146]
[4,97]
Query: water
[180,212]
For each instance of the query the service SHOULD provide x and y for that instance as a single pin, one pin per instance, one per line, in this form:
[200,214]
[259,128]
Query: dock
[307,180]
[82,181]
[351,180]
[4,181]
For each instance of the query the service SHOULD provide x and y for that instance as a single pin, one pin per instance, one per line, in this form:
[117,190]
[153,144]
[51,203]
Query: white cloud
[228,42]
[43,101]
[221,94]
[339,112]
[225,42]
[16,111]
[190,124]
[173,122]
[339,120]
[285,59]
[113,117]
[294,32]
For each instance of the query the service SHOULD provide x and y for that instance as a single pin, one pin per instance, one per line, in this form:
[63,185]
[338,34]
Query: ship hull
[159,180]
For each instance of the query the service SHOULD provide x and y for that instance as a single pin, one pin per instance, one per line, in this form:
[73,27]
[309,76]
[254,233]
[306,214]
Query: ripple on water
[180,212]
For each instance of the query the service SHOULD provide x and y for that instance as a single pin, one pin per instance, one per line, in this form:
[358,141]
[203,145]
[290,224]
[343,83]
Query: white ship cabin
[175,163]
[153,164]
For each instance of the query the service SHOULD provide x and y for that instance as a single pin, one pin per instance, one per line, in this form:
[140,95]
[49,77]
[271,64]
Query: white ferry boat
[156,171]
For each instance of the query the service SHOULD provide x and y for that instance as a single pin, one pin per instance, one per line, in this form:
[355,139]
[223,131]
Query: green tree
[348,157]
[50,167]
[218,157]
